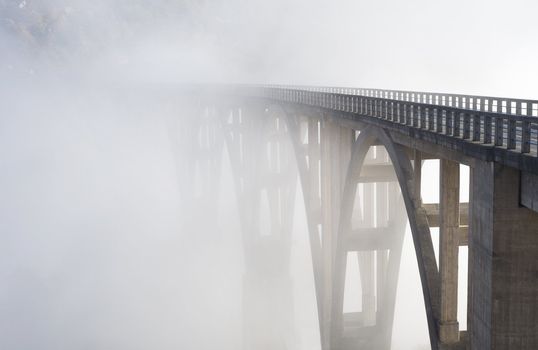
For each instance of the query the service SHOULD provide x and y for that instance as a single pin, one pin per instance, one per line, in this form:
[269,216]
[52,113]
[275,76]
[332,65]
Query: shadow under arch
[416,215]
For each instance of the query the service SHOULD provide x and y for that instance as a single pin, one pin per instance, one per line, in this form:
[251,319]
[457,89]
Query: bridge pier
[503,262]
[449,218]
[265,180]
[336,143]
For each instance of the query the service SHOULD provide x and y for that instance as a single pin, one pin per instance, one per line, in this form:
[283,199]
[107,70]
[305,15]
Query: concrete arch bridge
[357,155]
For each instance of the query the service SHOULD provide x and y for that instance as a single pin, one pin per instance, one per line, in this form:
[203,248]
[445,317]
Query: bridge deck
[503,130]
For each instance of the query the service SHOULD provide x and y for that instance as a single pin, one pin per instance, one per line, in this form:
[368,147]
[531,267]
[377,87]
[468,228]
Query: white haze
[99,248]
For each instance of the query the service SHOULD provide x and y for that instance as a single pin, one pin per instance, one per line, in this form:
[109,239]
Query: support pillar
[381,254]
[314,165]
[417,167]
[448,250]
[336,145]
[366,260]
[503,244]
[330,200]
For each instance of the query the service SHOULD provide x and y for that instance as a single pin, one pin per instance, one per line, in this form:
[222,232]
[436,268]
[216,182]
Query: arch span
[417,220]
[329,160]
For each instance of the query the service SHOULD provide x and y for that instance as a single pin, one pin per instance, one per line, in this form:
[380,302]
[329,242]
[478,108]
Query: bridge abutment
[503,262]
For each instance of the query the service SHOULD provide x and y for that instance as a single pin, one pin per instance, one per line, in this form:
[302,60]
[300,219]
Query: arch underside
[367,329]
[343,185]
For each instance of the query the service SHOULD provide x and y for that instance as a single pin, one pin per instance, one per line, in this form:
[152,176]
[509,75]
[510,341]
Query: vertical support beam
[366,259]
[470,252]
[389,265]
[448,250]
[336,146]
[305,140]
[382,255]
[330,189]
[417,167]
[313,205]
[313,164]
[503,246]
[346,140]
[382,203]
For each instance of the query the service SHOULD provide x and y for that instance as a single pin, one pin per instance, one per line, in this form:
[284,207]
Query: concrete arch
[298,135]
[368,136]
[374,322]
[416,215]
[493,211]
[315,244]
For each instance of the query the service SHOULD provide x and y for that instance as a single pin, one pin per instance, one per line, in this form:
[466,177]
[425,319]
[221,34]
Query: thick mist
[102,247]
[475,47]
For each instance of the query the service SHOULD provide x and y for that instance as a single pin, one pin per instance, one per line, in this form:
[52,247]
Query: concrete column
[382,203]
[313,164]
[382,220]
[346,140]
[336,146]
[330,200]
[366,259]
[367,270]
[418,177]
[449,189]
[503,303]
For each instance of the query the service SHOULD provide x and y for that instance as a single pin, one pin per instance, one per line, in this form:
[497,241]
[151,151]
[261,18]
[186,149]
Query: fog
[104,244]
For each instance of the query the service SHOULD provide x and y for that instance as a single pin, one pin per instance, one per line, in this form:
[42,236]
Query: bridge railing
[499,122]
[503,105]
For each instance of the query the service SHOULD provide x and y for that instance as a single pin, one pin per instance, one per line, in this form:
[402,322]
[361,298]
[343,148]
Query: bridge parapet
[512,106]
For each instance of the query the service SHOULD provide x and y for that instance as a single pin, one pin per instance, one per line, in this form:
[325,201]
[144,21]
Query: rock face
[57,22]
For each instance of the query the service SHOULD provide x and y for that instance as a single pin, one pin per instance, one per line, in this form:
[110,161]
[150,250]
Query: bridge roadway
[359,155]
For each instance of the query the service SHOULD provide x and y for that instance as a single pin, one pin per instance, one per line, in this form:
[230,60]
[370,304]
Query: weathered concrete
[432,210]
[503,266]
[448,249]
[529,190]
[334,162]
[417,168]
